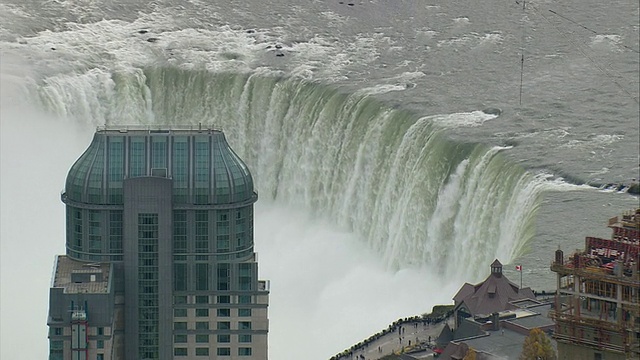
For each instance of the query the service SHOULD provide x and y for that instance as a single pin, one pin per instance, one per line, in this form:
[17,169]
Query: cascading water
[393,179]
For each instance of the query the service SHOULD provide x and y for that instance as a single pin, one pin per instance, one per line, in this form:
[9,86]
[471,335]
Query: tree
[537,346]
[470,355]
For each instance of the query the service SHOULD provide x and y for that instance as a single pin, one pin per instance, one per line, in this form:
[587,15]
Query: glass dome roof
[202,165]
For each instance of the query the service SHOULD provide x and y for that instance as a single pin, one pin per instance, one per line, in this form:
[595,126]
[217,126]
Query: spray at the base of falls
[391,177]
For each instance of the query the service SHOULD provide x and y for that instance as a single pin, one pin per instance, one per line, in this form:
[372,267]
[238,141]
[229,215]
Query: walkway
[403,336]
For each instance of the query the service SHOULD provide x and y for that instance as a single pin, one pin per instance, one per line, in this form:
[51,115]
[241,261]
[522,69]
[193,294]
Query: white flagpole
[519,268]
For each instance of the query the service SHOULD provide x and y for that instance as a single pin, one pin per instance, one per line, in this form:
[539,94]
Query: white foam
[491,38]
[607,42]
[380,89]
[594,141]
[466,119]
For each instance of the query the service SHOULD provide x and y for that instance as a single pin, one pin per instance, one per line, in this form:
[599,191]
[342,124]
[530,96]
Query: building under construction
[597,303]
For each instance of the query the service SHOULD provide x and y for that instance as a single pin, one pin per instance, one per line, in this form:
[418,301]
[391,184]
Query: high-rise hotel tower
[160,261]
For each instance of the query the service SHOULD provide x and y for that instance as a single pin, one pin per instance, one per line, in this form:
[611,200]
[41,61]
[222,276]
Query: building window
[222,243]
[159,152]
[148,315]
[202,338]
[245,272]
[224,351]
[116,170]
[244,351]
[202,276]
[179,231]
[180,281]
[180,325]
[95,239]
[115,230]
[180,312]
[224,312]
[100,344]
[202,170]
[244,325]
[56,331]
[202,299]
[244,299]
[244,312]
[180,299]
[55,349]
[202,232]
[137,157]
[180,169]
[224,325]
[202,312]
[100,331]
[224,299]
[94,189]
[202,351]
[202,325]
[223,276]
[100,357]
[180,338]
[180,351]
[224,338]
[76,225]
[244,338]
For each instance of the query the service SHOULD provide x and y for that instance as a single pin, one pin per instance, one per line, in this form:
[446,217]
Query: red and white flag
[518,267]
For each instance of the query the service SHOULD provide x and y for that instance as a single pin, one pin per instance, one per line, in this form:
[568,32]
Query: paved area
[403,336]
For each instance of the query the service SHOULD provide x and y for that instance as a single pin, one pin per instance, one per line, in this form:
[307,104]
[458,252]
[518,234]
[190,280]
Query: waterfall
[391,177]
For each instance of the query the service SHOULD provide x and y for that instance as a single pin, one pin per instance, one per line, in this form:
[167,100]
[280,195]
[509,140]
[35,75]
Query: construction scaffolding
[597,305]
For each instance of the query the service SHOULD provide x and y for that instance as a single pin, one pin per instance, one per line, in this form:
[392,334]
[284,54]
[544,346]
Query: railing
[157,128]
[595,344]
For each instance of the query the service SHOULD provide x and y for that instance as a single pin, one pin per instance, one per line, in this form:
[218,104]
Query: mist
[36,152]
[328,289]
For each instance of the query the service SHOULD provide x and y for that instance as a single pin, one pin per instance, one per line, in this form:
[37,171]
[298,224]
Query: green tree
[537,346]
[470,355]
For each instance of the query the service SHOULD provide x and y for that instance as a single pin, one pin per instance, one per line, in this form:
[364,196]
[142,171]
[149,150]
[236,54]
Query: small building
[493,317]
[496,293]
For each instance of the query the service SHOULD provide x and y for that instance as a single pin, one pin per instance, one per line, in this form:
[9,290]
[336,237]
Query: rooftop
[496,293]
[79,277]
[537,317]
[502,344]
[514,327]
[157,129]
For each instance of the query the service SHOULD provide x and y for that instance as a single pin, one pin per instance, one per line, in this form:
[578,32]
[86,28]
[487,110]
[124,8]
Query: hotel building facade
[160,262]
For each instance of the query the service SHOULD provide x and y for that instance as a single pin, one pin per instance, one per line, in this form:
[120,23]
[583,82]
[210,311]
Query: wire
[522,48]
[593,31]
[603,70]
